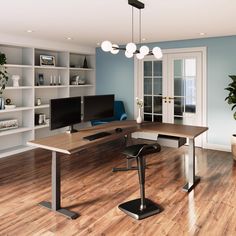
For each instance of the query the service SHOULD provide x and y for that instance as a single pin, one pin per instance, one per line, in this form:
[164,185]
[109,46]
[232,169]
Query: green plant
[231,98]
[3,72]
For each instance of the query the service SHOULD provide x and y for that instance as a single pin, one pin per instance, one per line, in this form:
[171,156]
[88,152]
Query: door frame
[138,81]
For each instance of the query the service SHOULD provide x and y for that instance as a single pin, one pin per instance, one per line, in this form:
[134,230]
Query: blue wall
[115,74]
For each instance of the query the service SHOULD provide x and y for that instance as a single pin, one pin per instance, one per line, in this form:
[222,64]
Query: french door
[172,88]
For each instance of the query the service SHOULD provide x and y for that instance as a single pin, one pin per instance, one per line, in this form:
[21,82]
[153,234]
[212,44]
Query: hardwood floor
[91,189]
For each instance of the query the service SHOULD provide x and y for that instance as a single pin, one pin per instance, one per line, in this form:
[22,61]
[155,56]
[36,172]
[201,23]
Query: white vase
[15,79]
[139,118]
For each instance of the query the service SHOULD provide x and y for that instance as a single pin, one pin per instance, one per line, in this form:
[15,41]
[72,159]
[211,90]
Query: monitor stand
[71,130]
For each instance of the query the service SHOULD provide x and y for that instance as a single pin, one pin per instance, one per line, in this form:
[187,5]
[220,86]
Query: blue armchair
[119,111]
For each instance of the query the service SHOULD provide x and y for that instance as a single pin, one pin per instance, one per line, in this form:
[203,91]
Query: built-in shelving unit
[25,61]
[16,109]
[50,86]
[18,66]
[18,88]
[41,126]
[81,86]
[51,67]
[42,106]
[81,69]
[14,131]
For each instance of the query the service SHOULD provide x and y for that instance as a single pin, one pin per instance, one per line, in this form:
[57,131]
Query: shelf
[15,150]
[41,126]
[15,131]
[51,67]
[50,86]
[17,66]
[25,62]
[20,87]
[82,69]
[16,109]
[42,106]
[81,86]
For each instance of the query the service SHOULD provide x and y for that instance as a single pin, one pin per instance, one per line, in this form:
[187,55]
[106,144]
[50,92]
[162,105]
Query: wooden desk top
[186,131]
[71,143]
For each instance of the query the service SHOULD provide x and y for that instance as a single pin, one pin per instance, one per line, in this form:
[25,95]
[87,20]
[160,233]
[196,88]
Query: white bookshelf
[18,66]
[15,131]
[82,86]
[50,86]
[18,88]
[81,69]
[25,61]
[41,126]
[42,106]
[51,67]
[16,109]
[14,150]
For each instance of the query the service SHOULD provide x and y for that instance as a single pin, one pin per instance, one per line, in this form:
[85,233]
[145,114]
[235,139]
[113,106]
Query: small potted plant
[231,99]
[3,77]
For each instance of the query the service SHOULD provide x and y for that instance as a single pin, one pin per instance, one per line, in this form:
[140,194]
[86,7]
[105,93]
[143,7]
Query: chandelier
[131,48]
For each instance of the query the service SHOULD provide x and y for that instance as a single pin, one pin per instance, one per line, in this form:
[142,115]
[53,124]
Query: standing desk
[71,143]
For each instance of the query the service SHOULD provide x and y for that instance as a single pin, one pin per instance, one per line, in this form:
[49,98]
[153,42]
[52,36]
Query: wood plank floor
[91,189]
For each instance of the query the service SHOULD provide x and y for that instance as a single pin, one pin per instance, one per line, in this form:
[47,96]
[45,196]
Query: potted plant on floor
[3,78]
[231,99]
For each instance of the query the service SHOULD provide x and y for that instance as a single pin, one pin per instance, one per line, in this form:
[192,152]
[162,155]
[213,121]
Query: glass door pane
[152,80]
[184,89]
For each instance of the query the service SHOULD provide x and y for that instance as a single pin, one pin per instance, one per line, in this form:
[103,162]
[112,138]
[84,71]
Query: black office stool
[142,207]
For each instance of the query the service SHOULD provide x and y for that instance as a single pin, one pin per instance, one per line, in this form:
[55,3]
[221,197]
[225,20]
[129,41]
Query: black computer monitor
[65,112]
[98,107]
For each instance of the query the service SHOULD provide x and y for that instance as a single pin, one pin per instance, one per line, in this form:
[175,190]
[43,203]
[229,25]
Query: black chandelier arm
[136,4]
[124,49]
[118,48]
[136,52]
[142,50]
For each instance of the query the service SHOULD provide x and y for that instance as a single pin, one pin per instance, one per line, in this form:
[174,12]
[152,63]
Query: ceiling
[89,22]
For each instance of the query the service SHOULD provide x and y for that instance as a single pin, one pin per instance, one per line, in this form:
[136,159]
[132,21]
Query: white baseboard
[217,147]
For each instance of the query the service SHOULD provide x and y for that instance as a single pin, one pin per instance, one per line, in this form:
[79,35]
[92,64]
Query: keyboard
[96,136]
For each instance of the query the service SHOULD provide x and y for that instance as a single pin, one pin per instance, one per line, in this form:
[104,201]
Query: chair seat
[141,149]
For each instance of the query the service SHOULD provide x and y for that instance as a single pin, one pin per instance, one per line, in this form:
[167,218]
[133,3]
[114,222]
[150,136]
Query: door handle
[171,98]
[165,99]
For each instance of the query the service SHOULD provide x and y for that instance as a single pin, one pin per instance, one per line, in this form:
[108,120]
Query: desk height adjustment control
[118,130]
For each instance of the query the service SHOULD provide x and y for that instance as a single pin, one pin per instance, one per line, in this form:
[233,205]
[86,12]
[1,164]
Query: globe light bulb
[144,50]
[114,50]
[131,47]
[106,46]
[139,56]
[128,54]
[157,52]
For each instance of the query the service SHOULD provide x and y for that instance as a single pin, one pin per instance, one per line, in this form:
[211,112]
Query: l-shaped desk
[72,143]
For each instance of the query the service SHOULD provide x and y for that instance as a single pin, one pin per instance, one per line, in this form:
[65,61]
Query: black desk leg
[191,178]
[55,205]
